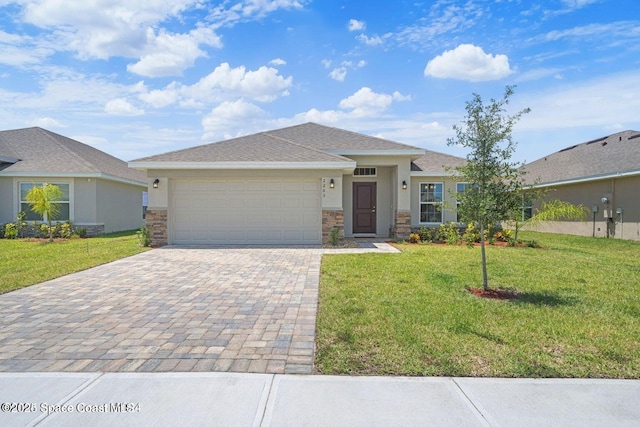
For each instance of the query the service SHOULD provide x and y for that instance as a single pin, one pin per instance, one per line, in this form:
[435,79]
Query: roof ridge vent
[596,140]
[568,148]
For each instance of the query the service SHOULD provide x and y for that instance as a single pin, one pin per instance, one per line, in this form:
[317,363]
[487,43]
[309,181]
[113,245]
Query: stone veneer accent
[157,225]
[402,227]
[331,220]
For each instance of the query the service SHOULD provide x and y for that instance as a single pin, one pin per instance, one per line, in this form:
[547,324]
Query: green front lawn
[24,263]
[578,314]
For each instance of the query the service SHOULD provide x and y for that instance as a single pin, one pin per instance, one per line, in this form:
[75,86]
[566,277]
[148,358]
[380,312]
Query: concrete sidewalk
[228,399]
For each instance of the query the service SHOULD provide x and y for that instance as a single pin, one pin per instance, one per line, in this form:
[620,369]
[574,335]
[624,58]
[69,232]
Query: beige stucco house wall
[622,194]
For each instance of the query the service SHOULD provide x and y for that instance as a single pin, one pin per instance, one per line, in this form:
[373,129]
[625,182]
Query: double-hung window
[431,202]
[461,187]
[63,203]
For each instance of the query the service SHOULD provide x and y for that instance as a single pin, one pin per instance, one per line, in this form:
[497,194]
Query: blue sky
[135,80]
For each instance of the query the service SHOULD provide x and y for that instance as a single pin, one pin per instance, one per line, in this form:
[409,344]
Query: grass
[24,263]
[578,314]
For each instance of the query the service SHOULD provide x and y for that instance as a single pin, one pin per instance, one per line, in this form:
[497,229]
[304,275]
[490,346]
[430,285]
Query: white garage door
[233,211]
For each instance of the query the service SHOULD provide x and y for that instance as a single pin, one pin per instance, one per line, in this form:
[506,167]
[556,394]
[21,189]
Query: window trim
[420,202]
[39,181]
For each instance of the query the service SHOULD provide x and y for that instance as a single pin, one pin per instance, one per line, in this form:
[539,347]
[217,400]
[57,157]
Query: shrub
[334,236]
[471,235]
[81,232]
[449,233]
[426,234]
[144,237]
[414,238]
[20,223]
[10,231]
[66,230]
[44,230]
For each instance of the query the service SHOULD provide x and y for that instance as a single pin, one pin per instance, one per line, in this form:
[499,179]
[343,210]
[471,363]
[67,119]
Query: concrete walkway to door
[169,309]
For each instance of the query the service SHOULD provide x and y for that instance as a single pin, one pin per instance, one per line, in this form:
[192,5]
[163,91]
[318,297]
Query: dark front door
[364,207]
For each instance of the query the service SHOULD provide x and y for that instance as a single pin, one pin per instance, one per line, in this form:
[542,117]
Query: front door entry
[364,207]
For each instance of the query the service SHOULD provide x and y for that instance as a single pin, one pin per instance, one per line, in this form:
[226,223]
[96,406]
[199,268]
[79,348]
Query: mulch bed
[502,294]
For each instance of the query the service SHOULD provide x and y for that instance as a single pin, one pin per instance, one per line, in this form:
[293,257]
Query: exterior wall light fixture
[156,182]
[332,183]
[404,185]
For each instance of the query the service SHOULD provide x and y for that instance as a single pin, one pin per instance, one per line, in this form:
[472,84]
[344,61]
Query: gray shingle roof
[328,138]
[609,155]
[260,147]
[306,143]
[434,162]
[40,151]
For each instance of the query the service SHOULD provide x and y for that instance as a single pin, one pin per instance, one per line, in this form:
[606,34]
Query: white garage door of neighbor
[234,211]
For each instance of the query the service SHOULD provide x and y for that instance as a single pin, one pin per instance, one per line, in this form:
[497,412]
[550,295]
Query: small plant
[532,244]
[66,230]
[10,231]
[449,233]
[144,237]
[81,232]
[414,238]
[334,236]
[471,235]
[426,234]
[20,223]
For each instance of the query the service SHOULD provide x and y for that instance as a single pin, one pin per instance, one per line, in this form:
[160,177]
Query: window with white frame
[461,187]
[63,203]
[431,202]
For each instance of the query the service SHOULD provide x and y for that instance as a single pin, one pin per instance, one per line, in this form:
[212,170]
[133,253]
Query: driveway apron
[170,309]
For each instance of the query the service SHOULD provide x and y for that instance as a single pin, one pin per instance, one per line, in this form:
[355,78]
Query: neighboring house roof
[308,145]
[436,164]
[610,156]
[39,152]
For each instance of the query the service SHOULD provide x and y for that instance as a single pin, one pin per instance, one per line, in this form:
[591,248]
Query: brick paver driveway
[170,309]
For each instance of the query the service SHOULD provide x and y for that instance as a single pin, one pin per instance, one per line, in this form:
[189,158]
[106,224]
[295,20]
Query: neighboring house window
[365,172]
[431,202]
[527,209]
[31,215]
[461,187]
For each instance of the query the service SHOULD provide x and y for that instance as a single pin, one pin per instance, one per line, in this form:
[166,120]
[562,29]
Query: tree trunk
[485,278]
[50,232]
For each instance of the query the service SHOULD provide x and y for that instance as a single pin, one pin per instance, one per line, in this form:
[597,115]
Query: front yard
[578,313]
[24,262]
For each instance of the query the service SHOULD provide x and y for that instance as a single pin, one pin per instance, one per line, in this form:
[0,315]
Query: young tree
[43,201]
[496,181]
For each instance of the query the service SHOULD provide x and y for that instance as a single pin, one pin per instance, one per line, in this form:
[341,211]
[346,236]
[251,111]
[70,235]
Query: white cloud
[362,63]
[170,54]
[223,84]
[366,102]
[47,123]
[468,62]
[106,28]
[369,41]
[326,63]
[355,25]
[278,61]
[122,107]
[244,10]
[338,74]
[231,115]
[443,19]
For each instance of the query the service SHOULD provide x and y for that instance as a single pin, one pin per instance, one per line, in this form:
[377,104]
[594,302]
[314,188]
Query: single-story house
[604,176]
[100,192]
[293,186]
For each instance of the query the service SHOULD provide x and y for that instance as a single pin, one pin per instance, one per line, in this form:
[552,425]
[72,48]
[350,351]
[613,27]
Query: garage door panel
[245,212]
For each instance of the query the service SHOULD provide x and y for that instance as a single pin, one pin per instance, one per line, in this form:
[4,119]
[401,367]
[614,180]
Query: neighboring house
[604,176]
[293,186]
[100,192]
